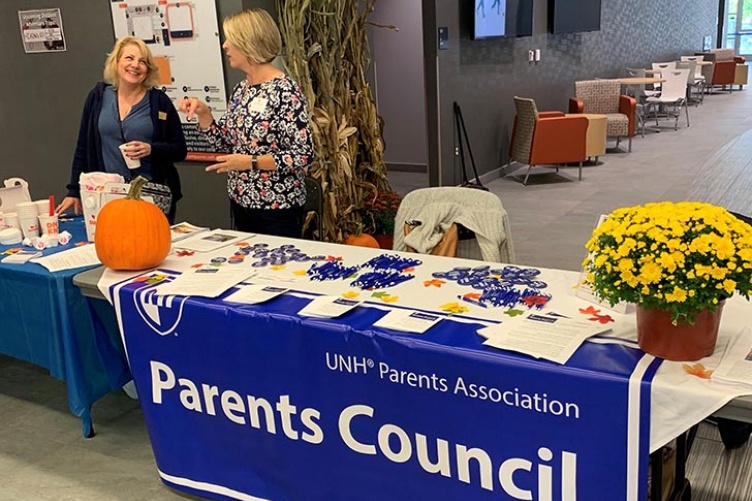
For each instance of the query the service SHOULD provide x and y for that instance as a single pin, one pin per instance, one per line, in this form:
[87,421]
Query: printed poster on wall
[184,40]
[42,30]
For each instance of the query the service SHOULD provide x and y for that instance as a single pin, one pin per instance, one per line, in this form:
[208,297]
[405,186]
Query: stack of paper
[84,255]
[20,257]
[254,294]
[206,281]
[212,240]
[736,365]
[413,321]
[181,231]
[328,307]
[547,336]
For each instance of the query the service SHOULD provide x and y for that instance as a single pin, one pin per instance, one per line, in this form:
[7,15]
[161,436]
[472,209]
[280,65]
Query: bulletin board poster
[184,39]
[42,30]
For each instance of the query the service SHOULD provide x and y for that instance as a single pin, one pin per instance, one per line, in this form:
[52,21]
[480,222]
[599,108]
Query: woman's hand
[227,163]
[198,108]
[137,150]
[67,203]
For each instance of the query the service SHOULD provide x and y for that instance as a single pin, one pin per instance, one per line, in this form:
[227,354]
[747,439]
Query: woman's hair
[255,34]
[110,66]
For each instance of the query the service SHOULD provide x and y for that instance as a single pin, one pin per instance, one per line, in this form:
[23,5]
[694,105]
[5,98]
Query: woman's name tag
[258,104]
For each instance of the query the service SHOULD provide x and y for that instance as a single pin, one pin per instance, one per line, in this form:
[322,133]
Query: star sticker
[590,310]
[532,301]
[453,308]
[603,319]
[698,370]
[433,283]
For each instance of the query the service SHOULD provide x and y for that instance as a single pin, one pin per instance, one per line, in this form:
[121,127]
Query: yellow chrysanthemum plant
[682,258]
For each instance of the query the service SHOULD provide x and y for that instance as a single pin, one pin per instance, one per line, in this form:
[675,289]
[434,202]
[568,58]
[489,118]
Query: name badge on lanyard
[258,104]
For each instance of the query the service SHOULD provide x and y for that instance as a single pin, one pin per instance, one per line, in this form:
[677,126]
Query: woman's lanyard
[117,114]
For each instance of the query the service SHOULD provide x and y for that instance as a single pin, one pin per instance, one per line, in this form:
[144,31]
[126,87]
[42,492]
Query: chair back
[637,91]
[314,204]
[524,128]
[697,59]
[675,86]
[688,65]
[636,72]
[481,212]
[669,65]
[598,96]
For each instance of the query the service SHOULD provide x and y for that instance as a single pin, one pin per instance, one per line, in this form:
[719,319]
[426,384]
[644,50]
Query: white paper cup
[29,227]
[48,225]
[129,162]
[26,210]
[11,220]
[43,207]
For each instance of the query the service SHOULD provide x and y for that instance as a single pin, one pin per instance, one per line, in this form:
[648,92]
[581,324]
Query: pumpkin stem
[134,193]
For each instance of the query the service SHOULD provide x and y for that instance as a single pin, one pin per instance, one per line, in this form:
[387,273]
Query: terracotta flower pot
[684,342]
[385,241]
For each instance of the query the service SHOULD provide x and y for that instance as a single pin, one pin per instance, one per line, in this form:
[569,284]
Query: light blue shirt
[137,126]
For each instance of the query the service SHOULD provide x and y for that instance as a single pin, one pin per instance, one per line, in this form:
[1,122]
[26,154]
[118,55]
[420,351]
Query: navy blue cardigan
[167,145]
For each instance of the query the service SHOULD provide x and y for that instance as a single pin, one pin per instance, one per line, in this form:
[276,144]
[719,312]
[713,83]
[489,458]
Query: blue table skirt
[49,323]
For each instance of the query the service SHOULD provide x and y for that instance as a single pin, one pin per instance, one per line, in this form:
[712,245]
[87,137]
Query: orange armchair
[603,97]
[723,70]
[546,138]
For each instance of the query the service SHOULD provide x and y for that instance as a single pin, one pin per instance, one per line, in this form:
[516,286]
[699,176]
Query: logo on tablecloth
[161,313]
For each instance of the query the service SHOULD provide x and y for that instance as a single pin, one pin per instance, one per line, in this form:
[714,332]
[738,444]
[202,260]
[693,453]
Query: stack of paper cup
[11,220]
[28,219]
[43,207]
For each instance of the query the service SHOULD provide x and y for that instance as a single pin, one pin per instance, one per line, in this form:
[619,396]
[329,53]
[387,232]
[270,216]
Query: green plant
[681,257]
[380,211]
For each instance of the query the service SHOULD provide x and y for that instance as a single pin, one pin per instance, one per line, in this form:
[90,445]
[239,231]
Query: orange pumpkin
[362,240]
[132,234]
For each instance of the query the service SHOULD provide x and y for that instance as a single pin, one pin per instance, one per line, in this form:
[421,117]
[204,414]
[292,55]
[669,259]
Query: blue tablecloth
[257,402]
[48,322]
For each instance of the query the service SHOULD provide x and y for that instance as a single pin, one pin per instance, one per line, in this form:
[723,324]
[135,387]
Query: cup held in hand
[131,163]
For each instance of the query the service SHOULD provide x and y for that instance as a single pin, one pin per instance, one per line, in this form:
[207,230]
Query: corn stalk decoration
[327,54]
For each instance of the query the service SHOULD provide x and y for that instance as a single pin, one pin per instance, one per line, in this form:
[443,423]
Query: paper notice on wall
[42,30]
[184,39]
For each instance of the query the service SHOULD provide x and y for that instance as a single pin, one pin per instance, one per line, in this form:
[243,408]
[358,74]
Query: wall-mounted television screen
[570,16]
[502,18]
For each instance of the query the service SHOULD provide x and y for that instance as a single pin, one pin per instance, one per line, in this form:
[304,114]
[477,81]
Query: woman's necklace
[126,102]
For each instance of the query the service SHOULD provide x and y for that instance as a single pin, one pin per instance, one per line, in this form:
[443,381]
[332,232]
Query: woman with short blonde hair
[265,132]
[110,65]
[254,33]
[127,117]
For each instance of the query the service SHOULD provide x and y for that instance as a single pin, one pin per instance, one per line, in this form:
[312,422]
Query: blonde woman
[127,109]
[265,131]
